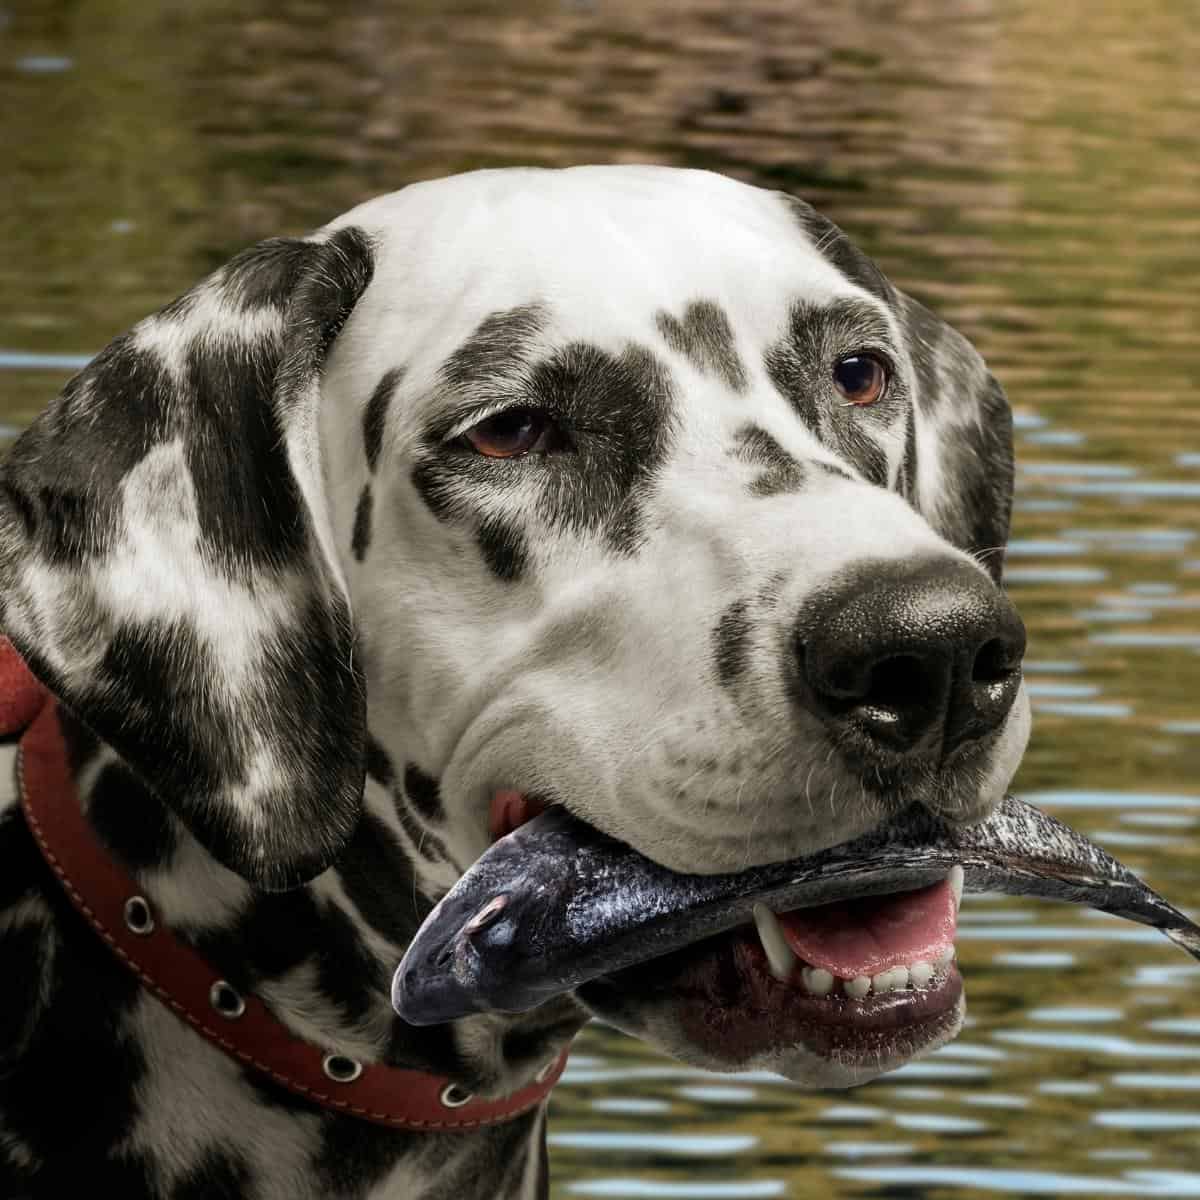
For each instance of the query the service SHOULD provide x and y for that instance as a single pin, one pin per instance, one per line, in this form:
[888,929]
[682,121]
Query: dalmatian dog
[634,489]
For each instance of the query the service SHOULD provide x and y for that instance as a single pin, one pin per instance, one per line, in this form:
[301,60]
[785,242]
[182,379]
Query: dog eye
[512,433]
[861,378]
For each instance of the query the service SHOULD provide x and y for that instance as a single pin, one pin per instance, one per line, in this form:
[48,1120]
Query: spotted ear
[167,564]
[958,469]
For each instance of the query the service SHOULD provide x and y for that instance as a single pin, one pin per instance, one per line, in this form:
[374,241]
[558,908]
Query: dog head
[633,489]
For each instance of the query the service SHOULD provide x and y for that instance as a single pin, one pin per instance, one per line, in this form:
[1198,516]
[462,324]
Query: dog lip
[510,809]
[723,999]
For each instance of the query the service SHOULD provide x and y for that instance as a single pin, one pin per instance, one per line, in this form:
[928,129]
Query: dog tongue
[864,937]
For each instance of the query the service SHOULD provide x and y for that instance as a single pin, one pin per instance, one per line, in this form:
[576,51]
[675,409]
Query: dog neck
[320,956]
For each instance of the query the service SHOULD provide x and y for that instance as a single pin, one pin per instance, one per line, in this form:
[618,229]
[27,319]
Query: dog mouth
[847,954]
[865,983]
[862,980]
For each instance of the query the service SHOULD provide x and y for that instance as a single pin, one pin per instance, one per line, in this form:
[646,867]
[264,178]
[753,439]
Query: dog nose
[920,658]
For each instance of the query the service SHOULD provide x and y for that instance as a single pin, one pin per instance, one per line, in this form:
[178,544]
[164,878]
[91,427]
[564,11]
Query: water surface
[1030,170]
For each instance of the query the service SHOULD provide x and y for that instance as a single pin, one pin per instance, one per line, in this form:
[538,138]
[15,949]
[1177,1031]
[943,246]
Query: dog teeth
[955,879]
[857,988]
[817,981]
[770,933]
[920,973]
[892,980]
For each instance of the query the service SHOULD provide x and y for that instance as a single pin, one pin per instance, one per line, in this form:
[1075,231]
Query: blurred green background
[1031,170]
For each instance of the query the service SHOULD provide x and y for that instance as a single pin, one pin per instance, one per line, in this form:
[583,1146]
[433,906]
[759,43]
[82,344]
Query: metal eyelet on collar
[341,1068]
[453,1096]
[226,999]
[139,917]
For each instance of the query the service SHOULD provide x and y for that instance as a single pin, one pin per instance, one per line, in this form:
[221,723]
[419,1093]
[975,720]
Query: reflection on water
[1031,170]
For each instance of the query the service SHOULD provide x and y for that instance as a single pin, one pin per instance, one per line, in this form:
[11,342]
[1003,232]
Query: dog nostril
[896,682]
[994,662]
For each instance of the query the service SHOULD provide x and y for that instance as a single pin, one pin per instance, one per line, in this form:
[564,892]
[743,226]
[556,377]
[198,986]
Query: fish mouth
[842,959]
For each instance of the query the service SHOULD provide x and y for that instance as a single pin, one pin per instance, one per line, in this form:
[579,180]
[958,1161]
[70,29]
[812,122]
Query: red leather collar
[241,1025]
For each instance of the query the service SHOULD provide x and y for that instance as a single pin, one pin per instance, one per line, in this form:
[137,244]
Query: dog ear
[167,564]
[958,465]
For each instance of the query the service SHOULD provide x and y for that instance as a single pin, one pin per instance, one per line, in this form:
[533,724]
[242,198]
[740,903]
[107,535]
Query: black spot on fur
[933,344]
[217,404]
[800,364]
[347,972]
[496,352]
[24,868]
[705,337]
[796,371]
[65,494]
[434,482]
[361,538]
[731,641]
[375,415]
[354,1156]
[227,399]
[502,1159]
[617,411]
[153,701]
[866,454]
[219,1175]
[908,466]
[265,275]
[269,937]
[538,1037]
[379,765]
[378,879]
[130,820]
[836,248]
[503,548]
[424,796]
[81,743]
[450,485]
[247,501]
[424,793]
[783,473]
[23,947]
[76,1033]
[615,414]
[974,505]
[336,276]
[428,845]
[276,933]
[979,469]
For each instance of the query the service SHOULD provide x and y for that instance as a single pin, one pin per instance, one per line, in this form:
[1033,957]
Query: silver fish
[557,903]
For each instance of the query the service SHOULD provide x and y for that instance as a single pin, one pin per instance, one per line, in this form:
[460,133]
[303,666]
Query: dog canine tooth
[770,933]
[817,981]
[945,957]
[955,879]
